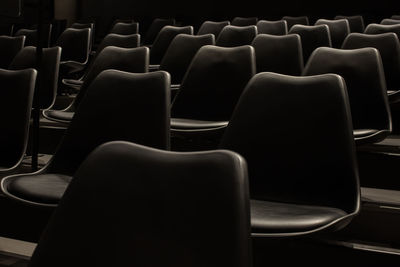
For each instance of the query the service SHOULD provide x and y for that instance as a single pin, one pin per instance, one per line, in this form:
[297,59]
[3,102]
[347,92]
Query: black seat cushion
[276,217]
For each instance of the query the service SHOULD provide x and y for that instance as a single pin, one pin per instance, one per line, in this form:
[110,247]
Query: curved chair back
[214,27]
[75,44]
[374,28]
[90,25]
[163,40]
[244,21]
[17,89]
[191,210]
[232,36]
[356,23]
[119,40]
[280,54]
[125,28]
[338,30]
[278,27]
[214,82]
[390,21]
[180,53]
[302,20]
[26,58]
[155,27]
[9,47]
[32,35]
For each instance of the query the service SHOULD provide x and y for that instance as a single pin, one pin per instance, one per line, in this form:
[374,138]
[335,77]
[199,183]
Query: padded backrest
[163,40]
[390,21]
[338,30]
[125,28]
[75,44]
[278,27]
[296,136]
[32,35]
[26,58]
[214,27]
[214,82]
[302,20]
[155,27]
[119,40]
[181,52]
[9,47]
[312,37]
[363,72]
[280,54]
[356,23]
[16,96]
[244,21]
[117,106]
[379,28]
[388,46]
[192,209]
[232,36]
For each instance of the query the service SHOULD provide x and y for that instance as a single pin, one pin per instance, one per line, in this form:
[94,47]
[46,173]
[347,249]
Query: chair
[32,35]
[117,106]
[390,21]
[208,94]
[244,21]
[312,37]
[214,27]
[154,29]
[16,96]
[6,29]
[123,59]
[125,28]
[374,28]
[280,54]
[9,47]
[163,40]
[278,27]
[302,20]
[232,36]
[85,25]
[192,210]
[356,23]
[300,183]
[363,72]
[395,17]
[338,30]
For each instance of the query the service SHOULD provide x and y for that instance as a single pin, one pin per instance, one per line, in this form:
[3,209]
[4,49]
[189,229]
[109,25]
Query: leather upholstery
[278,27]
[363,72]
[214,27]
[280,54]
[338,29]
[356,22]
[244,21]
[302,20]
[390,21]
[75,44]
[125,28]
[9,47]
[232,36]
[190,210]
[379,28]
[155,27]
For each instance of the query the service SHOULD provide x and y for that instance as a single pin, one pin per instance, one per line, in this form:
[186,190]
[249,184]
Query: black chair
[244,21]
[296,136]
[208,94]
[16,96]
[278,27]
[302,20]
[363,72]
[338,30]
[192,210]
[214,27]
[280,54]
[9,47]
[117,106]
[312,37]
[125,28]
[232,36]
[374,28]
[163,40]
[32,35]
[390,21]
[356,22]
[155,27]
[85,25]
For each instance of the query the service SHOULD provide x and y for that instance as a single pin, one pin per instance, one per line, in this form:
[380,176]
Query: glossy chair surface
[214,27]
[278,27]
[356,22]
[338,29]
[232,36]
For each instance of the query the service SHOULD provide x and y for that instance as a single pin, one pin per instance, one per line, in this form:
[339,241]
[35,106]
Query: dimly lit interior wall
[65,9]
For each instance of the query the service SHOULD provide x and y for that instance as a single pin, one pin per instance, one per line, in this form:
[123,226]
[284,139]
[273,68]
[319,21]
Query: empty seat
[231,36]
[244,21]
[338,30]
[155,27]
[390,21]
[9,47]
[356,22]
[302,20]
[363,72]
[296,136]
[374,28]
[280,54]
[86,25]
[278,27]
[125,28]
[32,35]
[214,27]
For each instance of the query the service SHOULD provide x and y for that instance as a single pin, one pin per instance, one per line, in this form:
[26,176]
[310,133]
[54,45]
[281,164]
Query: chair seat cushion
[275,217]
[59,115]
[189,124]
[41,188]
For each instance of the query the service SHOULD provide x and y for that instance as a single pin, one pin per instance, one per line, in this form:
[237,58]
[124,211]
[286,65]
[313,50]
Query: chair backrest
[125,28]
[244,21]
[356,22]
[338,29]
[312,37]
[374,28]
[190,210]
[46,92]
[32,35]
[16,96]
[119,40]
[302,20]
[296,136]
[90,25]
[280,54]
[6,29]
[232,36]
[388,46]
[155,27]
[363,72]
[117,106]
[163,40]
[214,82]
[75,44]
[214,27]
[9,47]
[180,53]
[390,21]
[277,27]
